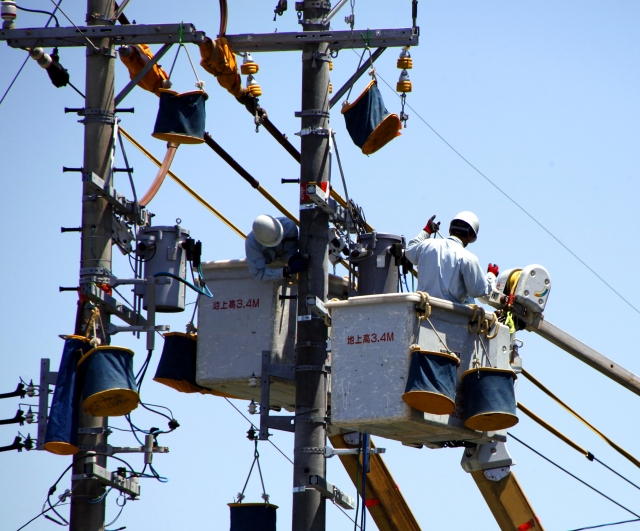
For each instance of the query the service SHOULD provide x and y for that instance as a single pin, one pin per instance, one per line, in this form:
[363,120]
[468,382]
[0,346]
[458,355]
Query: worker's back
[446,270]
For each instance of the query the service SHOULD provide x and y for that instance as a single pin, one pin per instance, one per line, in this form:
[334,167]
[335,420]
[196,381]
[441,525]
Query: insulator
[404,83]
[29,417]
[249,66]
[31,389]
[330,66]
[9,14]
[253,381]
[43,59]
[253,87]
[404,61]
[330,88]
[252,408]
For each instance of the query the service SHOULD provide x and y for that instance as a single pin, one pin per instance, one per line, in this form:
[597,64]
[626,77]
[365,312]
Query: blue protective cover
[252,517]
[177,367]
[108,368]
[489,391]
[181,115]
[433,373]
[62,425]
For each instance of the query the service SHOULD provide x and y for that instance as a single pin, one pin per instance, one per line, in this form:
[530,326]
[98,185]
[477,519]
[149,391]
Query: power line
[515,202]
[606,525]
[573,476]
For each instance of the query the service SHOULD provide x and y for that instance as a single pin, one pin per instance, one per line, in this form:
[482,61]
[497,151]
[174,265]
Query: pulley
[253,87]
[404,61]
[249,66]
[404,83]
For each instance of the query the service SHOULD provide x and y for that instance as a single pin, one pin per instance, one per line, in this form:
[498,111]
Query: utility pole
[309,508]
[96,242]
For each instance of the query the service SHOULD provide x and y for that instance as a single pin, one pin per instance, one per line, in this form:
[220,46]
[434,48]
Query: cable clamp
[311,368]
[317,21]
[313,4]
[319,420]
[313,112]
[103,116]
[320,131]
[309,344]
[324,57]
[310,450]
[107,51]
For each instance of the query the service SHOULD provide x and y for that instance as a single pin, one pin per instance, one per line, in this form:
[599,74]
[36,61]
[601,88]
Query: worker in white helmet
[446,269]
[273,239]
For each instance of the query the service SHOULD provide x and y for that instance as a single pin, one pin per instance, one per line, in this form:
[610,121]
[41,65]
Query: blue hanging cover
[369,123]
[61,436]
[253,517]
[177,366]
[431,384]
[109,385]
[489,399]
[181,117]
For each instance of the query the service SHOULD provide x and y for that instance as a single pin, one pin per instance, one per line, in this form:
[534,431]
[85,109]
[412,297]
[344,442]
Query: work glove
[298,262]
[432,227]
[493,268]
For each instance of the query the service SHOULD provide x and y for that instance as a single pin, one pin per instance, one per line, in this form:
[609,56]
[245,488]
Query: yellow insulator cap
[330,88]
[403,86]
[254,90]
[330,66]
[405,63]
[249,66]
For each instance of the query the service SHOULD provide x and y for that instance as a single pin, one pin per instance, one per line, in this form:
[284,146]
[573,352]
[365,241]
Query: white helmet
[267,230]
[470,219]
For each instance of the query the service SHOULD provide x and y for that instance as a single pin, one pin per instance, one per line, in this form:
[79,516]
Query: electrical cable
[27,58]
[129,172]
[93,46]
[204,292]
[518,205]
[52,15]
[39,515]
[606,525]
[573,476]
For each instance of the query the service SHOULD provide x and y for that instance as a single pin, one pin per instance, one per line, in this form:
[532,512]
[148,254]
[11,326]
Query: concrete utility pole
[309,508]
[96,239]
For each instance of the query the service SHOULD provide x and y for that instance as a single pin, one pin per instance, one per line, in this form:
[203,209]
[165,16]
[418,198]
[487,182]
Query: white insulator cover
[9,10]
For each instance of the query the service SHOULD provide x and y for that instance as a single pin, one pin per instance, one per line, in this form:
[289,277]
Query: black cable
[154,411]
[517,204]
[573,476]
[612,470]
[606,525]
[39,515]
[76,89]
[129,172]
[51,15]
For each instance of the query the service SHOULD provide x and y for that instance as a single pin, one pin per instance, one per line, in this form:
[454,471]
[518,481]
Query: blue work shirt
[448,271]
[258,256]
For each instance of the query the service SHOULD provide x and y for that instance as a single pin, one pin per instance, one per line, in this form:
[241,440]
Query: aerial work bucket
[177,367]
[489,399]
[369,123]
[431,385]
[109,385]
[62,426]
[181,117]
[253,516]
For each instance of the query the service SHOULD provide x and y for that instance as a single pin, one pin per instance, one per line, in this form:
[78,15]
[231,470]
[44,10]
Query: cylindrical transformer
[161,250]
[378,263]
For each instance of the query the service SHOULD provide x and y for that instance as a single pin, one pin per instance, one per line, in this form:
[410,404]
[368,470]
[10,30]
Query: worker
[446,269]
[274,239]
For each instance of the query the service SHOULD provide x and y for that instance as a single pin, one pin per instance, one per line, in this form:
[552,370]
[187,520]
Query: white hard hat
[267,230]
[470,219]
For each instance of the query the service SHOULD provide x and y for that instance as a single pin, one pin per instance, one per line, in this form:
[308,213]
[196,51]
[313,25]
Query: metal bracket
[328,490]
[309,344]
[107,51]
[330,452]
[312,368]
[313,4]
[116,200]
[312,112]
[112,479]
[487,456]
[102,116]
[317,306]
[280,422]
[309,450]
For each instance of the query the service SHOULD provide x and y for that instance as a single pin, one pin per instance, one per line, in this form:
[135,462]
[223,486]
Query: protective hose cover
[431,384]
[177,367]
[369,123]
[162,173]
[153,80]
[58,74]
[489,399]
[181,117]
[61,436]
[219,60]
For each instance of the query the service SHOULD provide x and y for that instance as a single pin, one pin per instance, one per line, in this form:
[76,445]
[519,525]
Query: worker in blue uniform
[446,269]
[274,239]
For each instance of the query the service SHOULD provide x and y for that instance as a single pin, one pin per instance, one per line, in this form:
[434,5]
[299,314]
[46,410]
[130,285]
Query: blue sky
[542,97]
